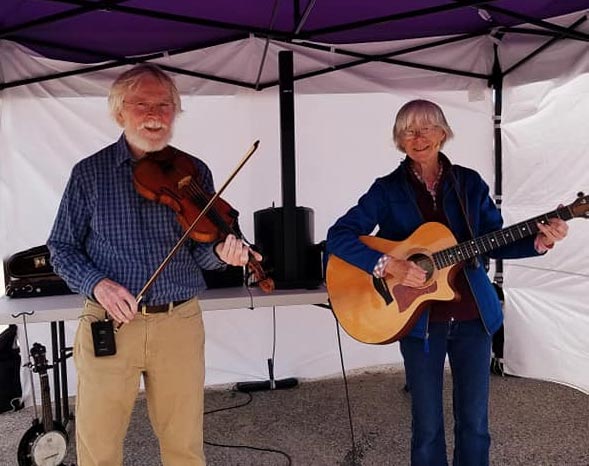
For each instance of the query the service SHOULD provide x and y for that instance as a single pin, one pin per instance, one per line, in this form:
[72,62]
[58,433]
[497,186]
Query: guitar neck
[497,239]
[46,403]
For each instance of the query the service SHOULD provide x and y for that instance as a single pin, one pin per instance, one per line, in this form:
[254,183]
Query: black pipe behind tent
[285,234]
[287,159]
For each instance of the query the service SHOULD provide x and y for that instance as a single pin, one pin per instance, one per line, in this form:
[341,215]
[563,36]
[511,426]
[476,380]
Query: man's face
[147,116]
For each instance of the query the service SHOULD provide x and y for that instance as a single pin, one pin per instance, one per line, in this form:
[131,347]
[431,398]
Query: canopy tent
[371,58]
[119,31]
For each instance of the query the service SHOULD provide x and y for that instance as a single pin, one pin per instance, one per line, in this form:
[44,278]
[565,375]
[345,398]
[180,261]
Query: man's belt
[144,309]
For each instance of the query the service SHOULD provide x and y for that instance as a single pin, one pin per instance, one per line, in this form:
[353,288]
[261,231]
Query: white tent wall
[546,146]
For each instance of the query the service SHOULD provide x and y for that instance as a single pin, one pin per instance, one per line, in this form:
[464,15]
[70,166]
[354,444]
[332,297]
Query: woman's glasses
[411,133]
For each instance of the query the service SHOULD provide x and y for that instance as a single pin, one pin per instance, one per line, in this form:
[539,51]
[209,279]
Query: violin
[170,177]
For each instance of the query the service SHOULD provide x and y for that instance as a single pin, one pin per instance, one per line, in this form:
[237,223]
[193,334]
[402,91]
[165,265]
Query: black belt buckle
[157,309]
[146,310]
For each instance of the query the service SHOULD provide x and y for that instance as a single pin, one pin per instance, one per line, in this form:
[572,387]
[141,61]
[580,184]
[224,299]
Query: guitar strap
[474,261]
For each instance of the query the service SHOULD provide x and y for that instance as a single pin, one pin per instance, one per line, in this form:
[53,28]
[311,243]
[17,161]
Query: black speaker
[305,267]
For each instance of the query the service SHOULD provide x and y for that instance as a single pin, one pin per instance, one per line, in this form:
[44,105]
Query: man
[106,243]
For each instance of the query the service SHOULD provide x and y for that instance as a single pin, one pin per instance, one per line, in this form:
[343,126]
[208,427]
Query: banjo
[45,442]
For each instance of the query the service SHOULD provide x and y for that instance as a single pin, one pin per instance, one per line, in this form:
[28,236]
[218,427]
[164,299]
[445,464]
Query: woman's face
[422,142]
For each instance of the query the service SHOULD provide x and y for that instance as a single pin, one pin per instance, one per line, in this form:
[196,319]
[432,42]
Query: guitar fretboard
[483,244]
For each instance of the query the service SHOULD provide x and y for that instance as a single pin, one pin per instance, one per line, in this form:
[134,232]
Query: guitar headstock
[580,208]
[38,353]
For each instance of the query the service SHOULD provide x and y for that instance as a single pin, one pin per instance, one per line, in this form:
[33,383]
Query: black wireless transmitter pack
[103,337]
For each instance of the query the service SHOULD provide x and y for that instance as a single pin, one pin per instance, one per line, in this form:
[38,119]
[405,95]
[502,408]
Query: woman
[427,187]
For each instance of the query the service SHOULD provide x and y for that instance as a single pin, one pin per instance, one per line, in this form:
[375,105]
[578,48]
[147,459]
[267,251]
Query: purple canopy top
[92,31]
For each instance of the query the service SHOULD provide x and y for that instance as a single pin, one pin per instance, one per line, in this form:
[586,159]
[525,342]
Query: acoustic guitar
[381,310]
[44,443]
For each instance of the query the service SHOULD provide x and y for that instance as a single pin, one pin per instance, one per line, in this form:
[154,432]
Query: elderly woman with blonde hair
[428,187]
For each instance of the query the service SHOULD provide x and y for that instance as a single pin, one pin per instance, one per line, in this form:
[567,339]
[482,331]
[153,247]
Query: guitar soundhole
[425,262]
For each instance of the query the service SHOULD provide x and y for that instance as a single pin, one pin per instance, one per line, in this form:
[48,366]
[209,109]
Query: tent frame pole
[496,84]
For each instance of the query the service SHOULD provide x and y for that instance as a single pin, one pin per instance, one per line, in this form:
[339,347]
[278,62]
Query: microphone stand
[270,384]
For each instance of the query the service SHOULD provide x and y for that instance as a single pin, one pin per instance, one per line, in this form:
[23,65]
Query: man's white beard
[144,144]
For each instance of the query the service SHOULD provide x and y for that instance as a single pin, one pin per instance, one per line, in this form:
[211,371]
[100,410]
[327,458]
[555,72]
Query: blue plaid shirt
[105,229]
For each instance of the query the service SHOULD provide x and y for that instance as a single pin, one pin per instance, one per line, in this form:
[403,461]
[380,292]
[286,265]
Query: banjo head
[49,449]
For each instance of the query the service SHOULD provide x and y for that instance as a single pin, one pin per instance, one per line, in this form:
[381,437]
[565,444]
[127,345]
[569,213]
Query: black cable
[226,408]
[250,283]
[269,450]
[249,291]
[273,335]
[250,397]
[248,447]
[349,408]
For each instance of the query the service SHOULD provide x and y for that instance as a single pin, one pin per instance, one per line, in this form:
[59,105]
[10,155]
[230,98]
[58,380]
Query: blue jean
[468,347]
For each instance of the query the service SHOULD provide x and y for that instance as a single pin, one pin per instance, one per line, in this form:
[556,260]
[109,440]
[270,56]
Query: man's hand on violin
[234,252]
[116,299]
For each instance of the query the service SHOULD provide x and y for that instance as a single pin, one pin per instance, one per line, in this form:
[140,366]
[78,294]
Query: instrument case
[29,274]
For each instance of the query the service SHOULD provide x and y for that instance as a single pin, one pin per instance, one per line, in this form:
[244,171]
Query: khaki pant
[168,350]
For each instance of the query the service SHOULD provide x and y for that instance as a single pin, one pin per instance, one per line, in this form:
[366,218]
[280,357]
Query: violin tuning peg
[580,194]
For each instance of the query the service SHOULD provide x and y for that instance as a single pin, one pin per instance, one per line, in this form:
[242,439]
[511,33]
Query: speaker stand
[270,384]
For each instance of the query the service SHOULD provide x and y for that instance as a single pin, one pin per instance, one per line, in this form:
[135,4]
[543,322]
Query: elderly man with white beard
[106,242]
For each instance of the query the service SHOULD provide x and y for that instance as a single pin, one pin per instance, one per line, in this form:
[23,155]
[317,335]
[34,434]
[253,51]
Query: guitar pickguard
[406,295]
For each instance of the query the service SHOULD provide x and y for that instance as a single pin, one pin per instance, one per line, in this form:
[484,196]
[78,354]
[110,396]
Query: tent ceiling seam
[393,17]
[540,23]
[267,44]
[544,46]
[193,20]
[383,58]
[305,16]
[119,61]
[54,18]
